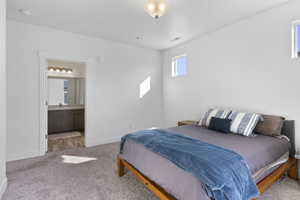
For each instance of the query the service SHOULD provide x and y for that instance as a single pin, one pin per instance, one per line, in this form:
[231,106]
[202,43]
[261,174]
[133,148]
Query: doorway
[65,105]
[62,103]
[44,57]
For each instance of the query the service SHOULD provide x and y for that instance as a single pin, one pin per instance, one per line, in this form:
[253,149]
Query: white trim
[67,58]
[105,141]
[43,107]
[24,155]
[294,38]
[43,57]
[3,187]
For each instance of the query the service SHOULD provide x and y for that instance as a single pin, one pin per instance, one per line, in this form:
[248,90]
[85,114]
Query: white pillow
[243,123]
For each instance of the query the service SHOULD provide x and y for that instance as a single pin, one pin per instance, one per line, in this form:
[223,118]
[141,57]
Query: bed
[268,158]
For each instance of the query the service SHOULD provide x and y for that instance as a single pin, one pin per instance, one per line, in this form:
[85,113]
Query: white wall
[246,66]
[113,104]
[3,180]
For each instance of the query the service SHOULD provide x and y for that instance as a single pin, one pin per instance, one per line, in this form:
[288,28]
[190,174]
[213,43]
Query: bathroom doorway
[65,105]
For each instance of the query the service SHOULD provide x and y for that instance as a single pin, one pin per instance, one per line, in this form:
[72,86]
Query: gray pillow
[270,126]
[213,112]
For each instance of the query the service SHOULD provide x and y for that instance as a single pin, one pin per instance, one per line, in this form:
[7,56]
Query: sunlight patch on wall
[76,159]
[145,87]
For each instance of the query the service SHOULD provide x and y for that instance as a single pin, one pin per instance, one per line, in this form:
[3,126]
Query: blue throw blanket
[224,173]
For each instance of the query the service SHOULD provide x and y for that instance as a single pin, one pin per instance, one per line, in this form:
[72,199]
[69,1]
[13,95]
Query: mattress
[262,153]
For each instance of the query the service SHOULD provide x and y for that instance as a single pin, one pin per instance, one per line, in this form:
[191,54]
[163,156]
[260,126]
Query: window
[296,40]
[179,66]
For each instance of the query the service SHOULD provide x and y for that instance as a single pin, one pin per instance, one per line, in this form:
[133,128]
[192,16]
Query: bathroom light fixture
[51,69]
[156,8]
[60,69]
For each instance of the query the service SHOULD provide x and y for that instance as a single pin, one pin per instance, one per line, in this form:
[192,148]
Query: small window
[179,66]
[296,40]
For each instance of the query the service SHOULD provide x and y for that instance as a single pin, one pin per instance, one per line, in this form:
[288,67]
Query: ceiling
[125,20]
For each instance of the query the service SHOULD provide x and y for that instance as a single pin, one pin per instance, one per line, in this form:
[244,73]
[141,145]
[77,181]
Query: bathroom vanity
[66,98]
[65,119]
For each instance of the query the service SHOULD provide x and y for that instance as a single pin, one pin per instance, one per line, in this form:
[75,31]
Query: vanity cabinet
[65,120]
[78,116]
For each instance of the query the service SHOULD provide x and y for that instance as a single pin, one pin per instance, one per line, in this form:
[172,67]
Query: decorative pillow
[271,125]
[213,112]
[221,125]
[244,123]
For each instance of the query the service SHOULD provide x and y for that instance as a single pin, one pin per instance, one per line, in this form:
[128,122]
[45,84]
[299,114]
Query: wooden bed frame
[289,167]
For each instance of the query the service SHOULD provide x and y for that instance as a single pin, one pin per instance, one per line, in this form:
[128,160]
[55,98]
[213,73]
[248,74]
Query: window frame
[295,39]
[173,71]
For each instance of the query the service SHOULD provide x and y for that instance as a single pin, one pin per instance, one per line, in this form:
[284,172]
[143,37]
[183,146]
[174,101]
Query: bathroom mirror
[66,91]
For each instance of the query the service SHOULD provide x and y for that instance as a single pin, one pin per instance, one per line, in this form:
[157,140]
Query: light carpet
[90,174]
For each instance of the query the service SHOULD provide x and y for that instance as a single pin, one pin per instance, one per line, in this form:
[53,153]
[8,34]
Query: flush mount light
[156,8]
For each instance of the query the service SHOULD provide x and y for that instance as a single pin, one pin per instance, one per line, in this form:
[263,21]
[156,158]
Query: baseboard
[21,156]
[88,143]
[105,141]
[3,187]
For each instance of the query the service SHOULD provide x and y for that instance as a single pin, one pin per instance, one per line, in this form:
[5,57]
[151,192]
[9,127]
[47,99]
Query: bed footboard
[156,189]
[289,167]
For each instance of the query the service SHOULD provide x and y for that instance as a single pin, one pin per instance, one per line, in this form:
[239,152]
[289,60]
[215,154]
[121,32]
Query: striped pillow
[244,123]
[213,112]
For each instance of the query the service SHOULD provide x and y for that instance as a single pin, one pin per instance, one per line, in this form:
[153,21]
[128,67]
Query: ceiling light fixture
[156,8]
